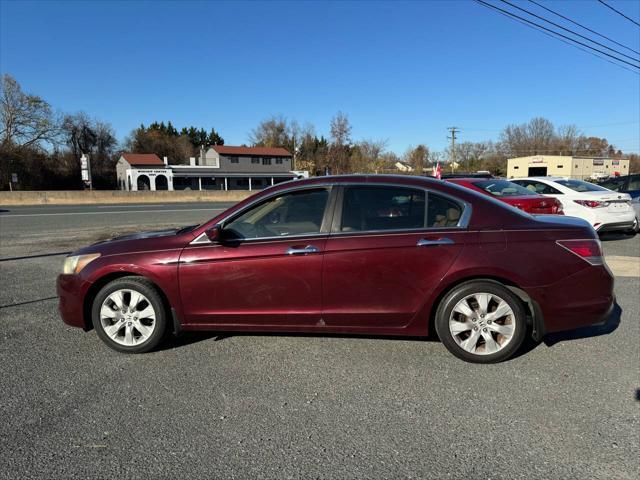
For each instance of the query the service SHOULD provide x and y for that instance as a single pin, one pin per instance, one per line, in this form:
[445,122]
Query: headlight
[76,263]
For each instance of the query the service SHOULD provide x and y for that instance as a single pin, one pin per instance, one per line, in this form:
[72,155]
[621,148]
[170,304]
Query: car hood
[142,241]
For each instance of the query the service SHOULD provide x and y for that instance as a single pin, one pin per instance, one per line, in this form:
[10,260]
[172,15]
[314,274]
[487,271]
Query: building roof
[142,159]
[252,151]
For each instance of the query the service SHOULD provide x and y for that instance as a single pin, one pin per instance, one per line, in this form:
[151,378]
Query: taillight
[591,203]
[589,250]
[559,208]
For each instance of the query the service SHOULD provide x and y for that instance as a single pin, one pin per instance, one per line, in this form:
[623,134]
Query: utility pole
[453,131]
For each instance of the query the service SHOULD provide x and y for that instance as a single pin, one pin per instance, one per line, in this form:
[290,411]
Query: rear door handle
[302,250]
[425,242]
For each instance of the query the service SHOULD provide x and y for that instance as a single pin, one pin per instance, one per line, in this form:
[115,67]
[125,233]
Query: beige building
[582,168]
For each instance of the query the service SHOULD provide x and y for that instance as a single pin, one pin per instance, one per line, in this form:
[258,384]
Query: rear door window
[371,208]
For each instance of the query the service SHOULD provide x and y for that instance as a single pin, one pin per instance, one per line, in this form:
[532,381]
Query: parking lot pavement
[294,406]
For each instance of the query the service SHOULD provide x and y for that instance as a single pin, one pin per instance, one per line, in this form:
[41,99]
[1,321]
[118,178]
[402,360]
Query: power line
[618,12]
[488,5]
[569,30]
[582,26]
[512,17]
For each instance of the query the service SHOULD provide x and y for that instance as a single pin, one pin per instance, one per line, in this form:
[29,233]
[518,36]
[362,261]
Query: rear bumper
[613,227]
[71,290]
[583,299]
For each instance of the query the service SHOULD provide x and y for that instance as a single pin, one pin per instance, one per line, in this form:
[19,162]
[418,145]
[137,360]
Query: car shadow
[613,236]
[188,338]
[612,322]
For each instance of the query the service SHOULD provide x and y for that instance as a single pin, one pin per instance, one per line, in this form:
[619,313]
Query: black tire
[146,288]
[448,303]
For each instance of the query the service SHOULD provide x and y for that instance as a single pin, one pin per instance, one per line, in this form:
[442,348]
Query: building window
[278,161]
[255,160]
[516,167]
[234,160]
[266,161]
[559,166]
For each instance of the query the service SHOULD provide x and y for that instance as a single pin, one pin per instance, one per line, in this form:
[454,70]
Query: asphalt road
[287,406]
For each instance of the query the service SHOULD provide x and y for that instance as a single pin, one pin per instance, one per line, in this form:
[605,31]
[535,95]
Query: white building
[219,168]
[143,171]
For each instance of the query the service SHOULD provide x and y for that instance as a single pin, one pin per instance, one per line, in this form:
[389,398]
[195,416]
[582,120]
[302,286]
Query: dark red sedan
[513,194]
[388,255]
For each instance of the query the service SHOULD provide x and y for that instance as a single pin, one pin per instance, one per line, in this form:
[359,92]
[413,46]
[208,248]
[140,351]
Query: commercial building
[217,168]
[583,168]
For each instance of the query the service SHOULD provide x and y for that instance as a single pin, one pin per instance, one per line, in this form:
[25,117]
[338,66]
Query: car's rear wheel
[481,322]
[129,316]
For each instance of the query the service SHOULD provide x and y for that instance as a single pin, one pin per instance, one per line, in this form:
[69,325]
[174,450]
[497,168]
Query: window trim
[333,213]
[463,222]
[324,226]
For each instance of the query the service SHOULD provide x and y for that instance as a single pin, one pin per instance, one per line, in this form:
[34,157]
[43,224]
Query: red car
[388,255]
[513,194]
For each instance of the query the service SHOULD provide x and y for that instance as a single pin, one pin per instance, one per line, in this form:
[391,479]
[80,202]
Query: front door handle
[302,250]
[425,242]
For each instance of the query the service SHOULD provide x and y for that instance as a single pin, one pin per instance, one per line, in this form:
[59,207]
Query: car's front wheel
[129,316]
[481,322]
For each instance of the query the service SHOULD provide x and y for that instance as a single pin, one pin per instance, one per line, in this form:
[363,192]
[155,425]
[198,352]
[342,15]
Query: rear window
[580,186]
[502,188]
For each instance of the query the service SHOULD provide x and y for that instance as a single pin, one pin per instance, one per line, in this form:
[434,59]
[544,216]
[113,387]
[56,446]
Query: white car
[605,209]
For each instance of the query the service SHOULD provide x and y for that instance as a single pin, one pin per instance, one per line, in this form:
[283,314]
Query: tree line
[44,148]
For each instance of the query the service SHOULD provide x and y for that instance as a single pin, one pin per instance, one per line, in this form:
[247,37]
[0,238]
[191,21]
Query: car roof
[550,179]
[367,178]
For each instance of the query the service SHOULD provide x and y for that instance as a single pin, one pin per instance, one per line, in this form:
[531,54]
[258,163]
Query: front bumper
[583,299]
[71,290]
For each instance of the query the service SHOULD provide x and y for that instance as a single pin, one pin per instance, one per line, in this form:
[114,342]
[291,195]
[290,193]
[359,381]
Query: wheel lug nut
[482,315]
[489,321]
[473,319]
[475,328]
[484,329]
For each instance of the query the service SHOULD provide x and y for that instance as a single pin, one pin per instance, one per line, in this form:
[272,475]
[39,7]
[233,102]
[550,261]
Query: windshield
[503,188]
[580,186]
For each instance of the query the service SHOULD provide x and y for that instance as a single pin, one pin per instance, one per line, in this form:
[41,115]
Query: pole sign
[14,178]
[85,170]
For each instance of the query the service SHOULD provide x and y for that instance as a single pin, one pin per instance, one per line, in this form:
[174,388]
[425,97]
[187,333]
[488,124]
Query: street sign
[14,178]
[85,175]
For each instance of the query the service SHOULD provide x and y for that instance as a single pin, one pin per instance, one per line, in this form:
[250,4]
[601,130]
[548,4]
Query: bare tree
[339,152]
[25,120]
[418,158]
[276,132]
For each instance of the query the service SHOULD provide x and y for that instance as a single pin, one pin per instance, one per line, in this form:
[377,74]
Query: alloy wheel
[127,317]
[482,323]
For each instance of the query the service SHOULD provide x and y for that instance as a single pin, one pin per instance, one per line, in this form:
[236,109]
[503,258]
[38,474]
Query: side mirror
[214,234]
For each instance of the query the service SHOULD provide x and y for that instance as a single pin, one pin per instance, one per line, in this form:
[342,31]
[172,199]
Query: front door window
[289,214]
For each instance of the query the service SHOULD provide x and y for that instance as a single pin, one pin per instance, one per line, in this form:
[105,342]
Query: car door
[389,247]
[267,268]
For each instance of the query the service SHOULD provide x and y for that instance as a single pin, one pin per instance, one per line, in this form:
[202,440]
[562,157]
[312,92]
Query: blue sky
[402,71]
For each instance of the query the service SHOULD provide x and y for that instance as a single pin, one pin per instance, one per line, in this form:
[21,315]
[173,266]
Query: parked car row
[606,210]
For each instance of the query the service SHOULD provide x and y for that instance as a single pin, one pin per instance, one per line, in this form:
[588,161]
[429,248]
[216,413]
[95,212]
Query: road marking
[624,266]
[119,212]
[129,206]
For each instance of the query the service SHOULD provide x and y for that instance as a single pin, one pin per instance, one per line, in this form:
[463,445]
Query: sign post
[14,179]
[85,171]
